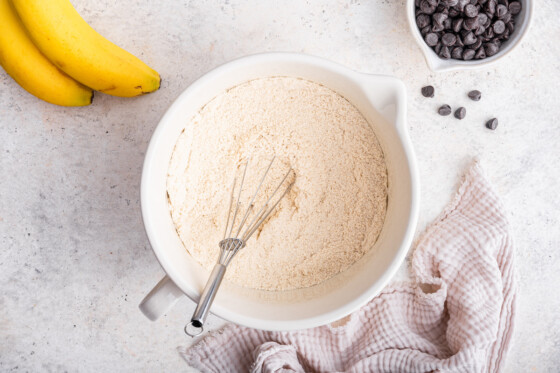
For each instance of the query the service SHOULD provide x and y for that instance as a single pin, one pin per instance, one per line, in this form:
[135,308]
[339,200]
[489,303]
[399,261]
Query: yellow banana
[31,69]
[77,49]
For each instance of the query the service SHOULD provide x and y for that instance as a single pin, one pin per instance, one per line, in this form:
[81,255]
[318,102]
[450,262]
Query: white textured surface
[75,261]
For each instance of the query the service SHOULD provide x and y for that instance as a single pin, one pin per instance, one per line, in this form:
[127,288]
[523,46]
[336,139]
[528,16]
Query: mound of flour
[335,210]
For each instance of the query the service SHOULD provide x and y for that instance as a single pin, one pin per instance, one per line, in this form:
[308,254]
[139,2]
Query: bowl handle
[160,299]
[388,94]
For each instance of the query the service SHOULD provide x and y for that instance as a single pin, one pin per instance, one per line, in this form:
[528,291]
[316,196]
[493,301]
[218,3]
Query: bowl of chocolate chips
[467,34]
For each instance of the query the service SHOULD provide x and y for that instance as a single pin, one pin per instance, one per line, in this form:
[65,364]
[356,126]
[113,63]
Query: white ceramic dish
[382,100]
[437,64]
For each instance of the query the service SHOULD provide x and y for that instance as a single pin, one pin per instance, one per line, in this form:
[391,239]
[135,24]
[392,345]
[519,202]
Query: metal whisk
[235,241]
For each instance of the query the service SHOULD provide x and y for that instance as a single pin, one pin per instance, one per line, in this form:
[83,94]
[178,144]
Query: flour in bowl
[330,218]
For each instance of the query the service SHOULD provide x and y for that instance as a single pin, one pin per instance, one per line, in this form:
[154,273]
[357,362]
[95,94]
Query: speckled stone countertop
[75,261]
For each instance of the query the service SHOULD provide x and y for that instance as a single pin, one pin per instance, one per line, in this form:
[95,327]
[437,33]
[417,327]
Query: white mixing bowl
[382,101]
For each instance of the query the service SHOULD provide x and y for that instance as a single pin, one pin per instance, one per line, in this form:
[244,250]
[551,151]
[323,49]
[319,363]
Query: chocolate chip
[469,39]
[482,19]
[449,3]
[445,53]
[453,12]
[470,23]
[475,95]
[470,11]
[501,10]
[428,91]
[491,7]
[437,27]
[480,30]
[515,7]
[442,9]
[462,4]
[457,53]
[506,18]
[431,39]
[492,124]
[423,20]
[460,113]
[444,110]
[448,39]
[499,27]
[480,53]
[439,18]
[447,24]
[468,54]
[438,47]
[510,26]
[477,44]
[426,8]
[491,49]
[426,30]
[457,24]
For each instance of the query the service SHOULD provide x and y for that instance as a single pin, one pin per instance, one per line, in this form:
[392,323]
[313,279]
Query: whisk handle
[205,301]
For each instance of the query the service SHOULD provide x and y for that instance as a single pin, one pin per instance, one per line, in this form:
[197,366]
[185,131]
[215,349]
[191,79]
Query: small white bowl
[382,101]
[438,64]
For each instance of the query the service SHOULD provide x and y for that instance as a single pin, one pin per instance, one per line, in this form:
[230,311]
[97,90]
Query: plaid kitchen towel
[456,317]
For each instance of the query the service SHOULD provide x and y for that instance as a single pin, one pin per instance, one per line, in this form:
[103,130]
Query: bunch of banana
[55,55]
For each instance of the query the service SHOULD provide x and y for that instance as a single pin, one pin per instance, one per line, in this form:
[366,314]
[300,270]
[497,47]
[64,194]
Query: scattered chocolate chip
[428,91]
[444,110]
[460,113]
[492,124]
[515,8]
[475,95]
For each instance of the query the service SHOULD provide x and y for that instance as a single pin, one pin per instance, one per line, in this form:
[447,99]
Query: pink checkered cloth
[456,317]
